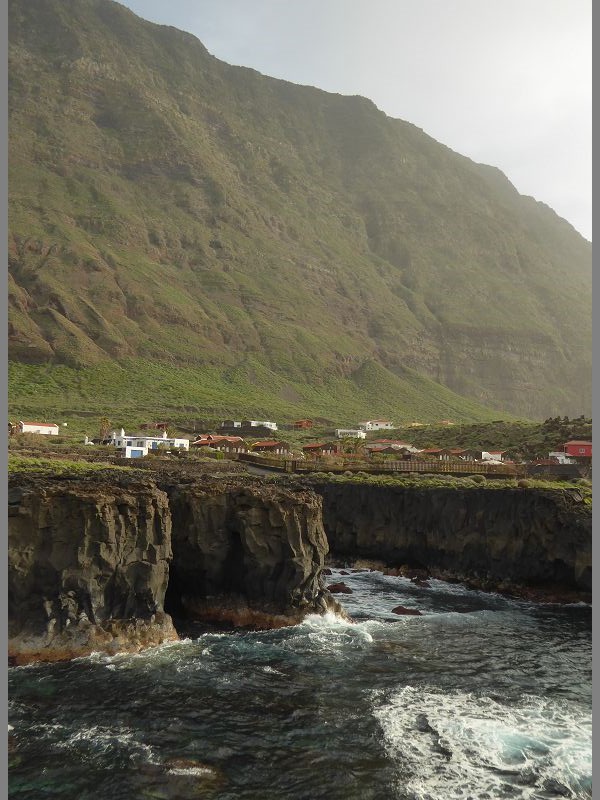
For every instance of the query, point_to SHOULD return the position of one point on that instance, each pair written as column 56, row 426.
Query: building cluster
column 232, row 436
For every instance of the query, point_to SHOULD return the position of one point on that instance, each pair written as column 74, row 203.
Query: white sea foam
column 272, row 670
column 102, row 739
column 479, row 748
column 334, row 624
column 192, row 771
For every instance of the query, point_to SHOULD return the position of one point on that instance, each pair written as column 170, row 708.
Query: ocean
column 480, row 698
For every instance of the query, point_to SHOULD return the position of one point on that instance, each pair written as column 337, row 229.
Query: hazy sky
column 505, row 82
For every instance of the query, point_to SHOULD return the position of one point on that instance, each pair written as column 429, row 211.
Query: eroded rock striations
column 534, row 536
column 247, row 555
column 100, row 563
column 90, row 561
column 88, row 568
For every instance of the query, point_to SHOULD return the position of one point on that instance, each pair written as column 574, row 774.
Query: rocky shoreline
column 556, row 594
column 101, row 563
column 104, row 562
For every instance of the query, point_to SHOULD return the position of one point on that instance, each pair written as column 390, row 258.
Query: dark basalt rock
column 420, row 583
column 87, row 569
column 339, row 588
column 90, row 560
column 413, row 612
column 260, row 543
column 534, row 537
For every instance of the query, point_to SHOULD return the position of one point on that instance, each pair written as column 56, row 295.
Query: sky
column 504, row 82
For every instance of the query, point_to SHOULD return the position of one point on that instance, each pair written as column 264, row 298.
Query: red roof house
column 577, row 448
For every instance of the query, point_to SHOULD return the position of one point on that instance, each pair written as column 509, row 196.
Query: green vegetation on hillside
column 225, row 232
column 527, row 440
column 137, row 391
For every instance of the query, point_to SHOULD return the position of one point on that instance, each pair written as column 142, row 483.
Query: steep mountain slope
column 165, row 205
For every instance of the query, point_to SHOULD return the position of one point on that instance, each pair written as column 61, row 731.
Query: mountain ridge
column 162, row 201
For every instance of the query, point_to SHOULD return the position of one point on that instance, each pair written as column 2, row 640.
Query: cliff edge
column 91, row 561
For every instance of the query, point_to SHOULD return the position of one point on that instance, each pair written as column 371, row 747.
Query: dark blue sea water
column 481, row 698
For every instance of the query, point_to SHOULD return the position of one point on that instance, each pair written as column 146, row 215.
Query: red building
column 578, row 449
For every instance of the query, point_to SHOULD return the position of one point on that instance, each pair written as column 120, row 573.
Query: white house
column 254, row 423
column 493, row 456
column 137, row 446
column 376, row 425
column 46, row 428
column 561, row 457
column 350, row 433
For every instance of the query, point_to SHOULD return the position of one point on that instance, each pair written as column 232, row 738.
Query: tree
column 105, row 424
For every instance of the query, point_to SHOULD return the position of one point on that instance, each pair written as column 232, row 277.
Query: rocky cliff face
column 530, row 536
column 247, row 555
column 90, row 561
column 88, row 568
column 99, row 563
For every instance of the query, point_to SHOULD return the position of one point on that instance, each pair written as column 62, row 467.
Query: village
column 363, row 447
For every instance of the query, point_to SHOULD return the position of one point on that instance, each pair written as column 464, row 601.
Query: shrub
column 478, row 478
column 523, row 483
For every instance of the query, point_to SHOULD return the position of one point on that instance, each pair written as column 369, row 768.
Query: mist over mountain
column 167, row 207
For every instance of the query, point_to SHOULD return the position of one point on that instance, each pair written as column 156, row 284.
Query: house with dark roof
column 272, row 447
column 318, row 449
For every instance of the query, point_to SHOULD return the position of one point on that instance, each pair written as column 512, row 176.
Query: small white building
column 493, row 456
column 255, row 423
column 561, row 457
column 350, row 433
column 376, row 425
column 45, row 428
column 138, row 446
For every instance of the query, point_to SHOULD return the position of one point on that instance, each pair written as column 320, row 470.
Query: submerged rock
column 406, row 611
column 339, row 588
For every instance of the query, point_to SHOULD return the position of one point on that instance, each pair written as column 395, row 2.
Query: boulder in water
column 339, row 588
column 404, row 611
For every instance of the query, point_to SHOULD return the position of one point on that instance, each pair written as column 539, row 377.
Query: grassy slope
column 167, row 207
column 136, row 392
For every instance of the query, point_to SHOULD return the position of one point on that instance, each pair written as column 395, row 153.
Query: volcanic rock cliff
column 100, row 562
column 533, row 536
column 247, row 555
column 89, row 561
column 88, row 568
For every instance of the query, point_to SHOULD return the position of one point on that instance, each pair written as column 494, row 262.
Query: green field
column 138, row 391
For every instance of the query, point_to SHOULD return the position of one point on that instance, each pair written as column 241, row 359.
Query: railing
column 445, row 467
